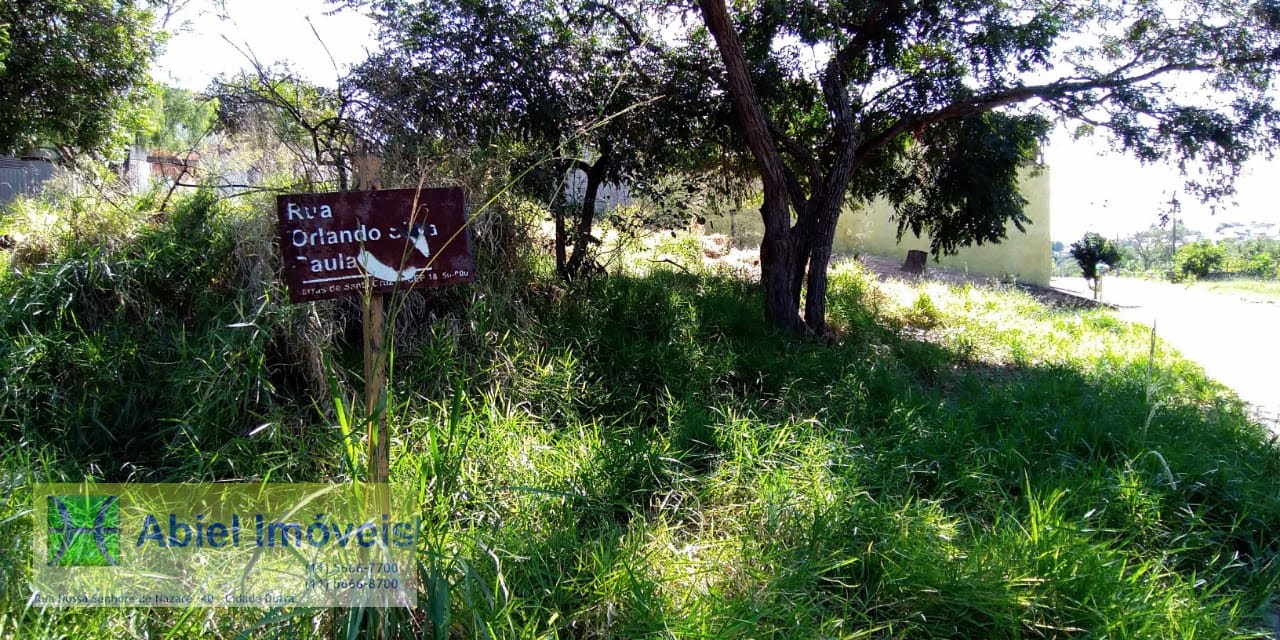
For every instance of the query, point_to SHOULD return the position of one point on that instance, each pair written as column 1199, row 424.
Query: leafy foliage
column 901, row 99
column 72, row 70
column 1152, row 247
column 1243, row 254
column 1198, row 259
column 1255, row 256
column 557, row 84
column 1093, row 250
column 964, row 186
column 4, row 44
column 177, row 118
column 1262, row 265
column 318, row 125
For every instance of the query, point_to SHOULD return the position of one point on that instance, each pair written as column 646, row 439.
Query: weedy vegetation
column 637, row 455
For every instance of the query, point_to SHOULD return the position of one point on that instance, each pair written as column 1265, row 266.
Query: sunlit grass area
column 1261, row 290
column 637, row 456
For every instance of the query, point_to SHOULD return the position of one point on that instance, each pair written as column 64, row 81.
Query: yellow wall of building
column 872, row 230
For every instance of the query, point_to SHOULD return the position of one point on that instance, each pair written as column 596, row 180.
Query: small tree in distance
column 1151, row 247
column 1197, row 260
column 1092, row 252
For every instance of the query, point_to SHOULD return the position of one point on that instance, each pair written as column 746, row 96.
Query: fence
column 20, row 177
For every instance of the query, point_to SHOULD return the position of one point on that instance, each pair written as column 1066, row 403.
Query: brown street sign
column 332, row 243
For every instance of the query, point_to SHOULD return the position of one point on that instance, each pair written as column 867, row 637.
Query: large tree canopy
column 556, row 82
column 938, row 104
column 72, row 66
column 4, row 44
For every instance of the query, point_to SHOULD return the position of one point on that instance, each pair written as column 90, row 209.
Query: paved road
column 1235, row 339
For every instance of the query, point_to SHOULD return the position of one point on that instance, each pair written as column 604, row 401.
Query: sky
column 1095, row 189
column 270, row 30
column 1092, row 188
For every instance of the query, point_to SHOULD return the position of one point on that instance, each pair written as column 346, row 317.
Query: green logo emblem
column 84, row 531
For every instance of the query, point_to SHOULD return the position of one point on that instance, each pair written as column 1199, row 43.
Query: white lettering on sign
column 296, row 212
column 322, row 236
column 340, row 263
column 386, row 240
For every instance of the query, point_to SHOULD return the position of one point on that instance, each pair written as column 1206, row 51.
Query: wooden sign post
column 373, row 243
column 375, row 387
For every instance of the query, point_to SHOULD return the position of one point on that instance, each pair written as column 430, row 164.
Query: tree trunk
column 777, row 260
column 828, row 198
column 826, row 207
column 801, row 243
column 557, row 209
column 815, row 300
column 776, row 264
column 586, row 216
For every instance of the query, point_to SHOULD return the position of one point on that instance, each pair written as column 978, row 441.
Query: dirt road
column 1236, row 340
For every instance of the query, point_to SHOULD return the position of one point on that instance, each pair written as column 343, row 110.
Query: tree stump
column 916, row 260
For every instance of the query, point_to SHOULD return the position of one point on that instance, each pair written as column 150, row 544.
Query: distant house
column 144, row 167
column 1025, row 256
column 873, row 230
column 173, row 167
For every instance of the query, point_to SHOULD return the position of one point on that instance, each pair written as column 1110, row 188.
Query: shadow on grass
column 649, row 459
column 761, row 484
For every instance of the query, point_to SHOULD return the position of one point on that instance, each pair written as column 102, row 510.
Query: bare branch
column 1050, row 91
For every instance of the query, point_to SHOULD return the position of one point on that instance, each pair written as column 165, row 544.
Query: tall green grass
column 639, row 457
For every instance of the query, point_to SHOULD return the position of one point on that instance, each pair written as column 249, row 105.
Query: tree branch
column 882, row 13
column 1049, row 91
column 797, row 151
column 647, row 43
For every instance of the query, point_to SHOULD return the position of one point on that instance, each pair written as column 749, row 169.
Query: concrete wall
column 137, row 171
column 873, row 231
column 608, row 196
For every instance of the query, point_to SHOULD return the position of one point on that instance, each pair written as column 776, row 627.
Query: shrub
column 1197, row 260
column 1261, row 265
column 1093, row 250
column 923, row 313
